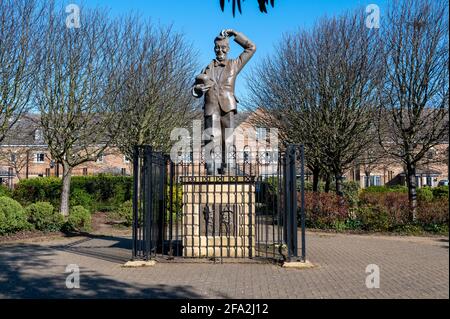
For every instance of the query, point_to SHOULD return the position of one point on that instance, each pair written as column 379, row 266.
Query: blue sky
column 201, row 20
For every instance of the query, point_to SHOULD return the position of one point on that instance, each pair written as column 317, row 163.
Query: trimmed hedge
column 386, row 189
column 95, row 193
column 108, row 191
column 42, row 189
column 12, row 216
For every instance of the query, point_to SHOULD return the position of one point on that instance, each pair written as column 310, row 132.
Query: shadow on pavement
column 25, row 267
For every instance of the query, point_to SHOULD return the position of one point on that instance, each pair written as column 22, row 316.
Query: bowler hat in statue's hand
column 204, row 81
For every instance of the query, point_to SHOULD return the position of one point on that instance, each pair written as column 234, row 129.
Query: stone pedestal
column 218, row 218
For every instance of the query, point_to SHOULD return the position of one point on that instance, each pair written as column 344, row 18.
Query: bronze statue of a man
column 216, row 83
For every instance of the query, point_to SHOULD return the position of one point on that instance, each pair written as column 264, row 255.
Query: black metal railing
column 248, row 211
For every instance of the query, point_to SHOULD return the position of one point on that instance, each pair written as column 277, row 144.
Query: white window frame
column 38, row 135
column 36, row 158
column 374, row 180
column 100, row 159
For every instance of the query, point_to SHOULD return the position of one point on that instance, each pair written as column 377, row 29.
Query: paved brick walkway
column 410, row 267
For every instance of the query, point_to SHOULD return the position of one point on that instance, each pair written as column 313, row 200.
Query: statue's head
column 221, row 47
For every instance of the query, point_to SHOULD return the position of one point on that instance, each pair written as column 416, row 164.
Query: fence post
column 135, row 200
column 148, row 193
column 292, row 190
column 171, row 177
column 302, row 208
column 287, row 203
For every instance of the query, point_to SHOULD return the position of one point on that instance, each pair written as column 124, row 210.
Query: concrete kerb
column 298, row 264
column 139, row 263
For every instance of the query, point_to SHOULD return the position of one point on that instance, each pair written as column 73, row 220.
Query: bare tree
column 16, row 158
column 373, row 157
column 18, row 34
column 156, row 98
column 279, row 88
column 414, row 111
column 321, row 88
column 76, row 87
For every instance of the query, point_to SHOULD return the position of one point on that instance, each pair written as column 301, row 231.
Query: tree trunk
column 67, row 175
column 327, row 183
column 367, row 182
column 315, row 186
column 338, row 178
column 412, row 192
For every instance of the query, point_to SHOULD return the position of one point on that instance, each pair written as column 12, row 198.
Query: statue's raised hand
column 228, row 33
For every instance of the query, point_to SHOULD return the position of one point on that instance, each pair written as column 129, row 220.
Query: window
column 40, row 157
column 85, row 171
column 38, row 135
column 429, row 181
column 13, row 158
column 260, row 134
column 124, row 171
column 374, row 180
column 126, row 160
column 47, row 172
column 100, row 158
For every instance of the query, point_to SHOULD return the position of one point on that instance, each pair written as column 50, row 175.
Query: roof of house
column 425, row 172
column 23, row 132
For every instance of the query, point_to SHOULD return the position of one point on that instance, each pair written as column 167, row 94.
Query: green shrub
column 373, row 218
column 125, row 213
column 386, row 189
column 323, row 210
column 353, row 224
column 396, row 204
column 79, row 197
column 409, row 229
column 43, row 216
column 177, row 202
column 441, row 229
column 12, row 216
column 440, row 192
column 79, row 219
column 41, row 189
column 435, row 212
column 106, row 192
column 424, row 194
column 398, row 188
column 309, row 186
column 5, row 191
column 350, row 189
column 340, row 225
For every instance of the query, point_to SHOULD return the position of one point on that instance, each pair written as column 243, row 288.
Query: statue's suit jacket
column 221, row 95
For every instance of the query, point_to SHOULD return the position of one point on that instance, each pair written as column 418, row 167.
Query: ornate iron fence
column 248, row 211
